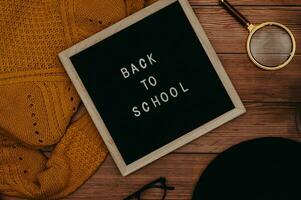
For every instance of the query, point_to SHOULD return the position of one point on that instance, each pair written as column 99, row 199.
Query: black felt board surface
column 176, row 59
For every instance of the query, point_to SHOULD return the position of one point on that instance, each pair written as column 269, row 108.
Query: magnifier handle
column 235, row 13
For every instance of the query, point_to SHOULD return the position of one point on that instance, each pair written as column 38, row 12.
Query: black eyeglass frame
column 153, row 184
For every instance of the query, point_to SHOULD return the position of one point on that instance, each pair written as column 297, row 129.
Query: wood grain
column 256, row 85
column 261, row 120
column 270, row 98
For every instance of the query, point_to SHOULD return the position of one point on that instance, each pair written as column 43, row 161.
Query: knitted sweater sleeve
column 28, row 173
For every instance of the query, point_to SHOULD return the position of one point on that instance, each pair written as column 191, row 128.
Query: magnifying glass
column 270, row 45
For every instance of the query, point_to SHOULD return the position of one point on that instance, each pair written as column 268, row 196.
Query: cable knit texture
column 37, row 99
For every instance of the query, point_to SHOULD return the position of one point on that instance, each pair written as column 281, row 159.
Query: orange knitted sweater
column 37, row 100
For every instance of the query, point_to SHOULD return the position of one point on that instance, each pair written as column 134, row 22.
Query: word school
column 150, row 82
column 157, row 101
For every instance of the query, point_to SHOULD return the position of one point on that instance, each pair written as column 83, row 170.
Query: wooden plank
column 228, row 36
column 182, row 171
column 249, row 2
column 261, row 120
column 256, row 85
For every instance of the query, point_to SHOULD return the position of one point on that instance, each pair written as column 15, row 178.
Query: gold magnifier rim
column 253, row 28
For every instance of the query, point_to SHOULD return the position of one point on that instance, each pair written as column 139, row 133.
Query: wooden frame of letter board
column 95, row 115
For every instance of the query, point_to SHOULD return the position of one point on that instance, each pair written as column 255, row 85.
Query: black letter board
column 151, row 83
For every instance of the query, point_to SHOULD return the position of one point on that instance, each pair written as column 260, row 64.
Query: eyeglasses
column 160, row 183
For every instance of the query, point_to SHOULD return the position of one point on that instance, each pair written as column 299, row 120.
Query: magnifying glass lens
column 271, row 45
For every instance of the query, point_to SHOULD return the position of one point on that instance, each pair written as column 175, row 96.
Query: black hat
column 260, row 169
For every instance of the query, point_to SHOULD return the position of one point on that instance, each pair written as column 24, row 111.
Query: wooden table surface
column 270, row 97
